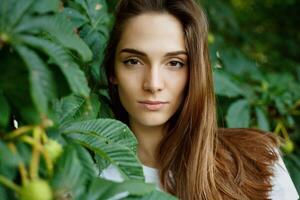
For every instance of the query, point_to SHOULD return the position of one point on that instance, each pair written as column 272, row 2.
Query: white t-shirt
column 283, row 187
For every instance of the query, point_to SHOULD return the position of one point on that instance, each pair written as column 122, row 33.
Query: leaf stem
column 35, row 159
column 49, row 163
column 17, row 132
column 31, row 141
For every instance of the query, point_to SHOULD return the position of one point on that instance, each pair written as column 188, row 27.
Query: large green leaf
column 225, row 86
column 75, row 77
column 18, row 11
column 41, row 80
column 104, row 189
column 238, row 114
column 45, row 6
column 5, row 111
column 118, row 155
column 112, row 130
column 95, row 28
column 59, row 28
column 111, row 140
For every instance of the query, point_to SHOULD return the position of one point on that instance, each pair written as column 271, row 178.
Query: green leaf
column 96, row 41
column 4, row 8
column 262, row 119
column 96, row 10
column 5, row 110
column 77, row 19
column 67, row 107
column 69, row 177
column 238, row 114
column 8, row 167
column 6, row 153
column 90, row 108
column 105, row 110
column 120, row 156
column 61, row 29
column 41, row 80
column 224, row 86
column 45, row 6
column 29, row 114
column 75, row 77
column 101, row 163
column 110, row 139
column 280, row 106
column 19, row 10
column 105, row 189
column 3, row 195
column 75, row 108
column 87, row 162
column 25, row 152
column 113, row 130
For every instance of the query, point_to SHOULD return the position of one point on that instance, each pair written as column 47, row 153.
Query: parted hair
column 198, row 160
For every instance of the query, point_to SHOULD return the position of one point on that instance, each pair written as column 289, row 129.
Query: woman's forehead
column 153, row 32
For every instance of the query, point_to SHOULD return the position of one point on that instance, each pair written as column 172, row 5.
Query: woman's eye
column 176, row 64
column 131, row 62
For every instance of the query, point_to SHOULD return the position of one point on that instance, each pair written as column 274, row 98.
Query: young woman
column 161, row 85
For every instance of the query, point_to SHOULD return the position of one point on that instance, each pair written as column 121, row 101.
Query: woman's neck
column 149, row 139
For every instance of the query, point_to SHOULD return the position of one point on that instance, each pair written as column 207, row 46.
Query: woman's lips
column 153, row 105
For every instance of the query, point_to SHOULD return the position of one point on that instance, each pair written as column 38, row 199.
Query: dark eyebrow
column 134, row 51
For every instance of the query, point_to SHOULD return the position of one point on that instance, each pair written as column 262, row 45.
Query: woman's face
column 151, row 68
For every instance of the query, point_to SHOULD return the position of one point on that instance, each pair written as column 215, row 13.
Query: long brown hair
column 196, row 159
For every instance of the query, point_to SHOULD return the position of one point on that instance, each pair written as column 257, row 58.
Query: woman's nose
column 153, row 80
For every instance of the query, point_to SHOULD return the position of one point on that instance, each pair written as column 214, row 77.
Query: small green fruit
column 288, row 146
column 54, row 149
column 36, row 190
column 4, row 37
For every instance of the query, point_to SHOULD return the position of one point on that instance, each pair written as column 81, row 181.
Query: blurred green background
column 255, row 51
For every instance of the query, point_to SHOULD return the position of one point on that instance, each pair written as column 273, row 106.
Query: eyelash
column 126, row 62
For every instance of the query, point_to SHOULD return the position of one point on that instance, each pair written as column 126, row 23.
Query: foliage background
column 255, row 54
column 49, row 74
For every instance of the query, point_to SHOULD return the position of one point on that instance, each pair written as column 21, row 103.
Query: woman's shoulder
column 283, row 187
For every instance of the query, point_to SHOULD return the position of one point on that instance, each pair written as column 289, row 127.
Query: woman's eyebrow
column 134, row 51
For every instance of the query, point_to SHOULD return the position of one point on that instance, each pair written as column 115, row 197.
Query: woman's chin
column 152, row 121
